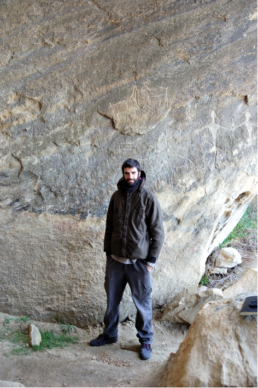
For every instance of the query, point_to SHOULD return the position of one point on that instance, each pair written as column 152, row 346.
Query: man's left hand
column 149, row 268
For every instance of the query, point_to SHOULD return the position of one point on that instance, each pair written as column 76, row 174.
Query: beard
column 132, row 182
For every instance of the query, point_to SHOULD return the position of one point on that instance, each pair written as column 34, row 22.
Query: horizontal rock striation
column 87, row 84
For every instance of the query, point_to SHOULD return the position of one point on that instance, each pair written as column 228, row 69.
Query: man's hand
column 149, row 268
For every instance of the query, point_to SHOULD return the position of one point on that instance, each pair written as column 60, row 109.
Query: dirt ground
column 79, row 365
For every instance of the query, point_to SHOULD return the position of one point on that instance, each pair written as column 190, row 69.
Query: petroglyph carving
column 21, row 110
column 214, row 127
column 141, row 112
column 248, row 126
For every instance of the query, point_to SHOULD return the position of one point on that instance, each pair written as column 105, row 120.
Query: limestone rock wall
column 87, row 84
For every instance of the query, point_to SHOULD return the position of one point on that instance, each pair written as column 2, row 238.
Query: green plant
column 52, row 340
column 7, row 321
column 18, row 337
column 247, row 222
column 23, row 318
column 67, row 328
column 21, row 351
column 49, row 339
column 204, row 280
column 60, row 320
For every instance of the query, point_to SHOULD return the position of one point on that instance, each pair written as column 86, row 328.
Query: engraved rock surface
column 219, row 350
column 84, row 86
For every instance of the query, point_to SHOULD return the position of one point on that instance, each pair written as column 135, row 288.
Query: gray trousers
column 139, row 280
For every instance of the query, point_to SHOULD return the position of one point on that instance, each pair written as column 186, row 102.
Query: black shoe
column 145, row 351
column 102, row 340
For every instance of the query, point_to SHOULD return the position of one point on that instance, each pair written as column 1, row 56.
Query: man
column 133, row 240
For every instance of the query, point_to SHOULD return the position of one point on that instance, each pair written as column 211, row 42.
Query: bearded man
column 133, row 239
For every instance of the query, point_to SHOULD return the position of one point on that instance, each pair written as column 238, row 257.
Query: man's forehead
column 130, row 169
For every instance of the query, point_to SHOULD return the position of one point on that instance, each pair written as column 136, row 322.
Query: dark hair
column 131, row 163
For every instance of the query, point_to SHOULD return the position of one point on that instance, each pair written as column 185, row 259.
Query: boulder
column 34, row 335
column 219, row 350
column 86, row 85
column 185, row 310
column 228, row 258
column 247, row 283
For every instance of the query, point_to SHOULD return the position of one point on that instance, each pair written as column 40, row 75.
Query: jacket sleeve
column 155, row 229
column 109, row 227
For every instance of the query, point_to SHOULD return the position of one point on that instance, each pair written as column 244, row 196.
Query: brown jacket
column 134, row 227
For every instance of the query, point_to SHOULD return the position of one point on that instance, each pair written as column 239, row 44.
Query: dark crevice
column 107, row 117
column 21, row 165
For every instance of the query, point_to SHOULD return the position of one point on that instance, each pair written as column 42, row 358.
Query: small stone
column 202, row 288
column 34, row 335
column 218, row 271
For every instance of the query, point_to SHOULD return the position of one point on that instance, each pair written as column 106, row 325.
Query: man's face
column 131, row 175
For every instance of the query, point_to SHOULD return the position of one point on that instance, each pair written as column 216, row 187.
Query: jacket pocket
column 118, row 215
column 117, row 223
column 140, row 219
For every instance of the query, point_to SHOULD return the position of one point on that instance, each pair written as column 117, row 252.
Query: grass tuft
column 204, row 280
column 243, row 229
column 20, row 337
column 52, row 340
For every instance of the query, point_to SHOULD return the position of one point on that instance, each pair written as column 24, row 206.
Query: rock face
column 219, row 350
column 185, row 310
column 87, row 84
